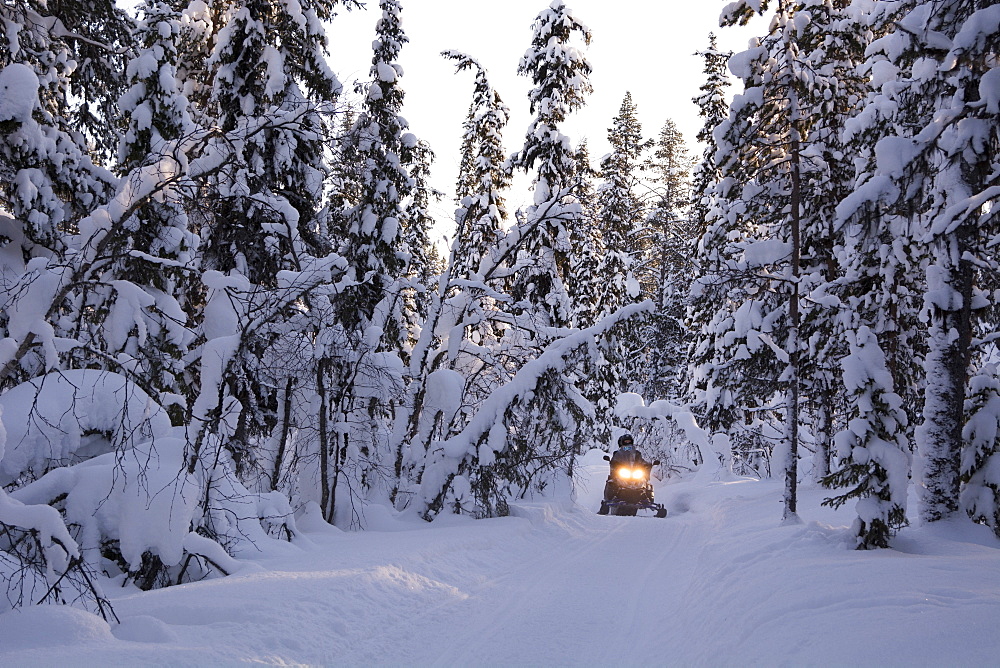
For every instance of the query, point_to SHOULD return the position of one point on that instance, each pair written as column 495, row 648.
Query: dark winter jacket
column 630, row 457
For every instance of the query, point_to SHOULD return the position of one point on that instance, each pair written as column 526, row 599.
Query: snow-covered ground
column 718, row 582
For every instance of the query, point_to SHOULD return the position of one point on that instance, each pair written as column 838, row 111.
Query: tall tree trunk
column 324, row 442
column 792, row 395
column 948, row 359
column 286, row 423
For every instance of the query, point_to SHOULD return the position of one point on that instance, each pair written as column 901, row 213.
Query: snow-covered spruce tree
column 383, row 147
column 550, row 430
column 981, row 456
column 483, row 175
column 48, row 179
column 746, row 298
column 67, row 409
column 730, row 371
column 98, row 37
column 531, row 436
column 931, row 169
column 620, row 214
column 621, row 209
column 667, row 267
column 604, row 250
column 873, row 451
column 417, row 238
column 770, row 153
column 560, row 74
column 136, row 306
column 880, row 253
column 262, row 232
column 713, row 108
column 458, row 342
column 604, row 374
column 832, row 44
column 589, row 286
column 465, row 185
column 365, row 378
column 481, row 218
column 270, row 76
column 483, row 211
column 963, row 233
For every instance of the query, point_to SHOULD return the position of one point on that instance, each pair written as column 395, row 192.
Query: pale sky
column 643, row 46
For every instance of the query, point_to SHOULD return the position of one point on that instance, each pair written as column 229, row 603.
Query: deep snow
column 718, row 582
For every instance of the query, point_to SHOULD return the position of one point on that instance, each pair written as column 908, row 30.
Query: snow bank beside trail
column 141, row 498
column 801, row 595
column 68, row 416
column 44, row 627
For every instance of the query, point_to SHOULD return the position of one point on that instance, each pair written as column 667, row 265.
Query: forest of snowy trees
column 222, row 310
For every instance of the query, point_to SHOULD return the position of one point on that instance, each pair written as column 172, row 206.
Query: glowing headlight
column 638, row 474
column 624, row 473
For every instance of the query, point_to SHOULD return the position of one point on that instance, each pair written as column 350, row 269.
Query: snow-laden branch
column 631, row 405
column 486, row 432
column 49, row 281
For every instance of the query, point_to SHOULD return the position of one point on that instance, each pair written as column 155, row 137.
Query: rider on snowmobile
column 626, row 454
column 628, row 488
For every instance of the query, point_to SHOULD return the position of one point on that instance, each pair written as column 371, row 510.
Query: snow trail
column 718, row 582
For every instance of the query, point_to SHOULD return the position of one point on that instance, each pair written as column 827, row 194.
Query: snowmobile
column 628, row 489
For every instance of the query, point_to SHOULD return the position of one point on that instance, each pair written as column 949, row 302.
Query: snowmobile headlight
column 624, row 473
column 638, row 474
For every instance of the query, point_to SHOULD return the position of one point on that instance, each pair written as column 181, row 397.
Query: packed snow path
column 719, row 582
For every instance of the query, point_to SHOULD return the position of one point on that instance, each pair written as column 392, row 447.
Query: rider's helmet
column 626, row 443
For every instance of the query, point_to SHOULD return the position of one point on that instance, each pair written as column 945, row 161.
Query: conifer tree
column 98, row 36
column 615, row 247
column 265, row 83
column 383, row 148
column 765, row 221
column 832, row 43
column 621, row 207
column 560, row 75
column 550, row 429
column 602, row 376
column 373, row 335
column 963, row 230
column 156, row 250
column 713, row 108
column 873, row 452
column 270, row 78
column 417, row 235
column 667, row 267
column 465, row 184
column 459, row 336
column 483, row 175
column 588, row 292
column 759, row 201
column 928, row 178
column 48, row 178
column 981, row 435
